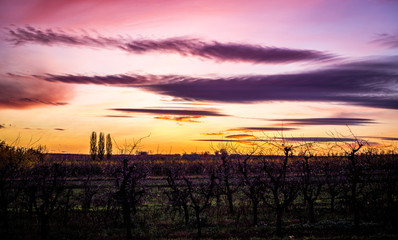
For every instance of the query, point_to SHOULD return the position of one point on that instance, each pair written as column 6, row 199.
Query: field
column 224, row 196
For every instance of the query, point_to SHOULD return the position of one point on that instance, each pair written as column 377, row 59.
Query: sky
column 188, row 75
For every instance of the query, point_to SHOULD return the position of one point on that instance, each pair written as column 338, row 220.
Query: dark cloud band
column 233, row 52
column 289, row 139
column 325, row 121
column 121, row 79
column 183, row 112
column 262, row 129
column 372, row 83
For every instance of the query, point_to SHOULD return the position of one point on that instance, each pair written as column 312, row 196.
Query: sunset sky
column 189, row 73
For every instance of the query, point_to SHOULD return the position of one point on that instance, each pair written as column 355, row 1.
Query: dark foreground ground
column 214, row 197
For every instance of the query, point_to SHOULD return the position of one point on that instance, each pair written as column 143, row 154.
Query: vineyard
column 294, row 194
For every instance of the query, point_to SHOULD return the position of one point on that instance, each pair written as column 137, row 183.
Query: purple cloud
column 161, row 111
column 233, row 52
column 59, row 129
column 30, row 34
column 326, row 121
column 382, row 138
column 100, row 80
column 370, row 84
column 262, row 129
column 21, row 92
column 389, row 138
column 278, row 139
column 388, row 40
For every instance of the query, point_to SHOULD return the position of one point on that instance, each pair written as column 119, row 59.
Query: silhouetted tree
column 311, row 184
column 281, row 188
column 88, row 188
column 101, row 146
column 93, row 145
column 332, row 168
column 130, row 192
column 45, row 187
column 390, row 188
column 178, row 193
column 200, row 195
column 11, row 168
column 253, row 185
column 354, row 177
column 108, row 146
column 228, row 184
column 354, row 174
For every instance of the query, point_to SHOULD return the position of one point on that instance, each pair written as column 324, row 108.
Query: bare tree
column 311, row 183
column 101, row 146
column 45, row 187
column 129, row 179
column 354, row 174
column 332, row 168
column 89, row 189
column 93, row 145
column 11, row 170
column 178, row 193
column 129, row 148
column 253, row 185
column 130, row 192
column 200, row 194
column 228, row 184
column 281, row 189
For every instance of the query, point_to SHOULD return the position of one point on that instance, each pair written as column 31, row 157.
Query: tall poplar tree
column 101, row 146
column 93, row 145
column 108, row 146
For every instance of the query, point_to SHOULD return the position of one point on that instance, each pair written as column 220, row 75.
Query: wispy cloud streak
column 121, row 79
column 177, row 115
column 318, row 139
column 239, row 136
column 262, row 129
column 232, row 52
column 278, row 139
column 389, row 138
column 388, row 40
column 184, row 112
column 325, row 121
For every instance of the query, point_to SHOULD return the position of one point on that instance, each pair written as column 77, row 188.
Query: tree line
column 102, row 147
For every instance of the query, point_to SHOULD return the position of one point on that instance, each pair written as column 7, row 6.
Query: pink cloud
column 22, row 92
